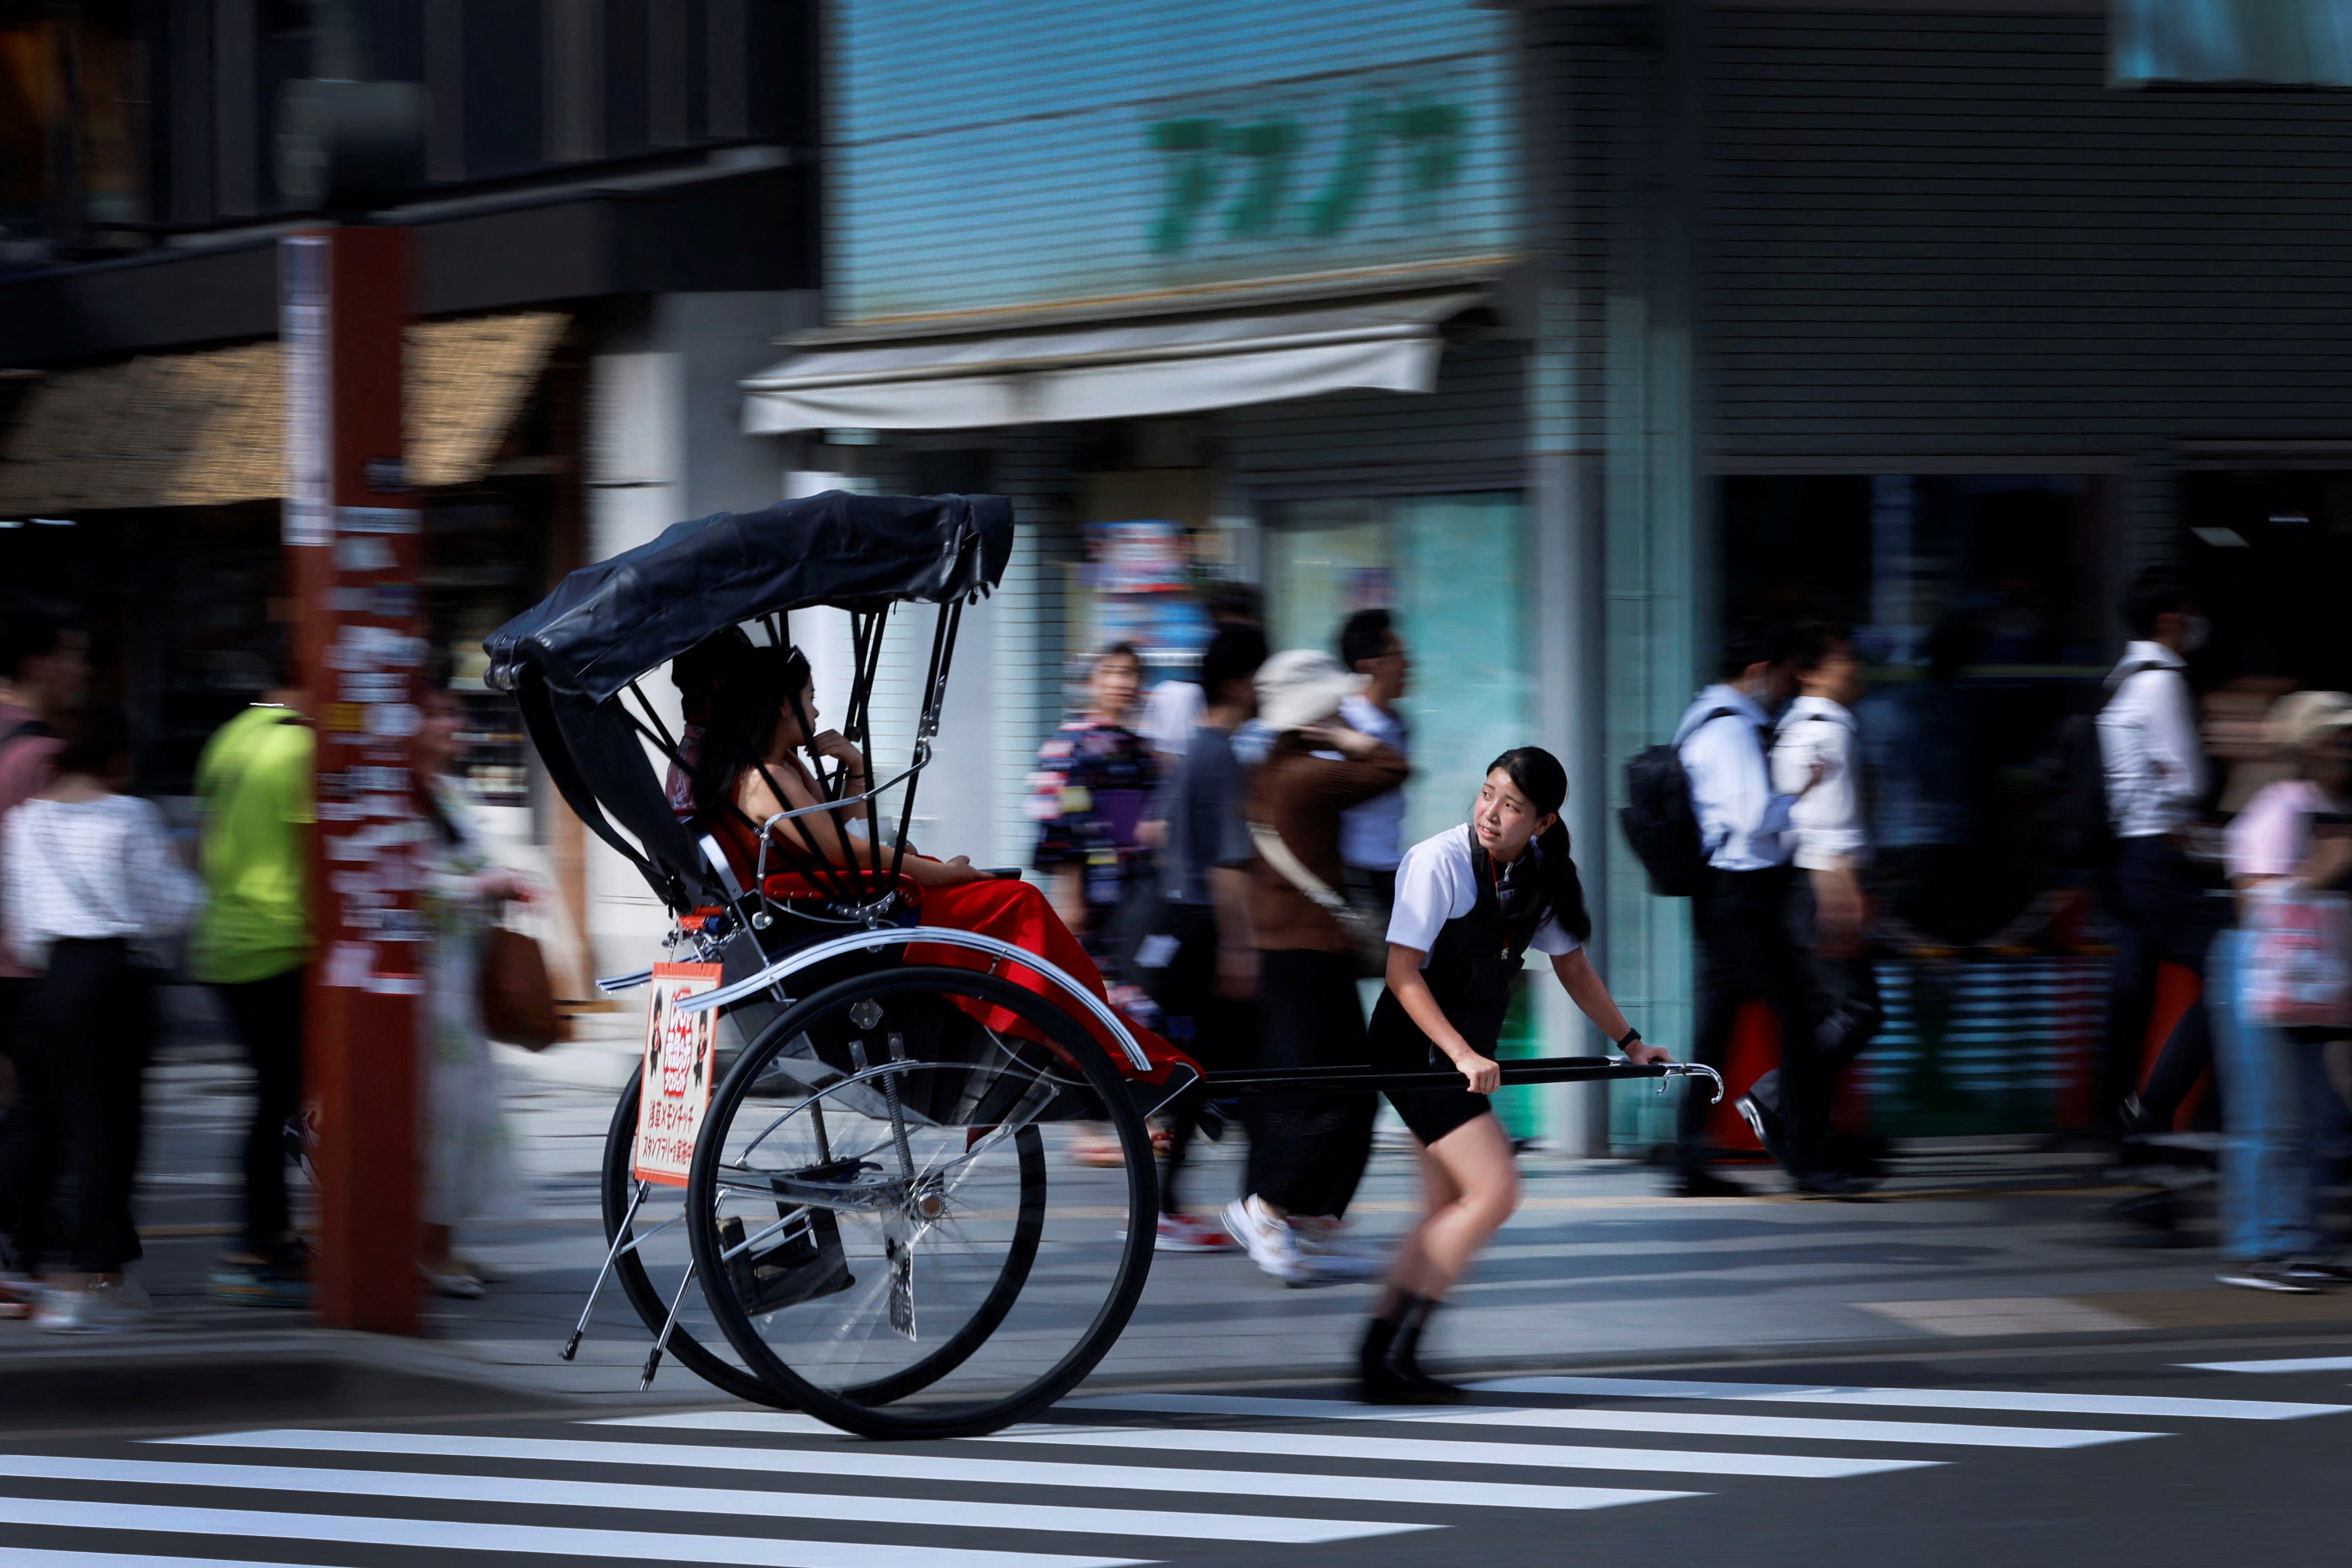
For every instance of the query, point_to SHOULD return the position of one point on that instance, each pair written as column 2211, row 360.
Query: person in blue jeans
column 2278, row 1108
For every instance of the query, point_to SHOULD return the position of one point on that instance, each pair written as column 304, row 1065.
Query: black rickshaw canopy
column 569, row 658
column 608, row 624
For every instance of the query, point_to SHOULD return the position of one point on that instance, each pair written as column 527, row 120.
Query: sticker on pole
column 681, row 1059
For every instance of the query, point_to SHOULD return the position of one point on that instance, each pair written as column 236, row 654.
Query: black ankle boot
column 1377, row 1381
column 1405, row 1363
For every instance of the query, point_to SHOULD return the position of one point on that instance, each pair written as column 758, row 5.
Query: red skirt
column 1018, row 913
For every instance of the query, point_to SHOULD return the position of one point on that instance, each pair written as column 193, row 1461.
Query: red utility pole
column 355, row 544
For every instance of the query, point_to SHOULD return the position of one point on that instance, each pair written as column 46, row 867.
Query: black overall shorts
column 1473, row 970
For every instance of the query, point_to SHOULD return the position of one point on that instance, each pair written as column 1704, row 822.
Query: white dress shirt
column 1742, row 824
column 2148, row 742
column 1372, row 834
column 1827, row 821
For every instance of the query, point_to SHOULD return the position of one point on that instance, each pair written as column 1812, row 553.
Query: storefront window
column 1980, row 607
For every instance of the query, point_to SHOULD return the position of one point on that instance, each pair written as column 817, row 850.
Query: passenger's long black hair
column 1540, row 777
column 740, row 726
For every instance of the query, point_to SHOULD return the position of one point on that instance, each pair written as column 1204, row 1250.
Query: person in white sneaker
column 92, row 888
column 1308, row 1148
column 1472, row 902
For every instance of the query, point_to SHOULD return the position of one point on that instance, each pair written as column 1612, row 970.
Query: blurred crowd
column 99, row 904
column 1229, row 847
column 1816, row 828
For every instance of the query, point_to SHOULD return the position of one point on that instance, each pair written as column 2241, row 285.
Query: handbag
column 2299, row 965
column 1363, row 928
column 518, row 1000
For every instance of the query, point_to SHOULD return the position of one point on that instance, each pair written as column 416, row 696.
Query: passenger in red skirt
column 747, row 768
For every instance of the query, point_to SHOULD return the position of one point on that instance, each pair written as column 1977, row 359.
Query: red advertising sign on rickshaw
column 681, row 1060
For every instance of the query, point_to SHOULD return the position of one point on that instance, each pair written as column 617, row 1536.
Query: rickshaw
column 869, row 1221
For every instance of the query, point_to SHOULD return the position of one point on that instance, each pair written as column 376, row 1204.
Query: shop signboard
column 681, row 1059
column 1192, row 147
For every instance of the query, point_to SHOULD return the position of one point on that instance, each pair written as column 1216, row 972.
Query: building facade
column 612, row 209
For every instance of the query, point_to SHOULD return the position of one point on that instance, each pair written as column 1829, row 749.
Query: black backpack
column 1659, row 821
column 2081, row 831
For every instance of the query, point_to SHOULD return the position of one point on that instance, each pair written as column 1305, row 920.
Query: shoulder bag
column 1363, row 927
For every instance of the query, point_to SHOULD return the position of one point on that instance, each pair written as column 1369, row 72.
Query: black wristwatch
column 1632, row 1037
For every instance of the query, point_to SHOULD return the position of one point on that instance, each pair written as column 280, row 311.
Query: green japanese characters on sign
column 1228, row 178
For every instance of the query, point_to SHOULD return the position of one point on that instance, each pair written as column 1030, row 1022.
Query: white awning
column 1125, row 371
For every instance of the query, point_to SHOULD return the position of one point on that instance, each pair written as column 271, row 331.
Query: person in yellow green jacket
column 252, row 946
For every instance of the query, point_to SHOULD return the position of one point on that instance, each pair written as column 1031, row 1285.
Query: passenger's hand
column 1486, row 1075
column 835, row 745
column 1640, row 1053
column 960, row 869
column 1236, row 972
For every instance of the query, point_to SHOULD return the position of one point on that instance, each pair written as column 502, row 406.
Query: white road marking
column 2131, row 1405
column 1699, row 1423
column 832, row 1507
column 47, row 1557
column 1255, row 1484
column 467, row 1535
column 2295, row 1363
column 1415, row 1450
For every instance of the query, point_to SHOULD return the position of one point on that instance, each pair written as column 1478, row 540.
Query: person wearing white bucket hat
column 1307, row 1151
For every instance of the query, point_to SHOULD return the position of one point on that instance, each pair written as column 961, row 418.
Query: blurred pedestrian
column 1740, row 909
column 1814, row 759
column 43, row 667
column 1471, row 903
column 468, row 1163
column 2153, row 759
column 1172, row 710
column 2294, row 839
column 1307, row 1150
column 1205, row 979
column 252, row 946
column 1372, row 835
column 1090, row 795
column 94, row 894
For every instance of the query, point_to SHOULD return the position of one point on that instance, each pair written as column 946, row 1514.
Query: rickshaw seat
column 794, row 887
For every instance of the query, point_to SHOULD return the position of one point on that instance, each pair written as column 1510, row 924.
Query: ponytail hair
column 1539, row 776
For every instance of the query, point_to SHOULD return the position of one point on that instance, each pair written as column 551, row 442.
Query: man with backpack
column 1707, row 822
column 44, row 669
column 2152, row 770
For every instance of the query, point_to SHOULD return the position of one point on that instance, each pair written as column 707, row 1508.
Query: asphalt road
column 2110, row 1455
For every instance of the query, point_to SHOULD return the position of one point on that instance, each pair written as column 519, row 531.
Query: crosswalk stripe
column 743, row 1551
column 802, row 1506
column 45, row 1557
column 2132, row 1405
column 1329, row 1447
column 2292, row 1363
column 930, row 1467
column 1414, row 1450
column 1687, row 1423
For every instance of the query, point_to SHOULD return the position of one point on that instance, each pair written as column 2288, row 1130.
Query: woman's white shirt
column 1436, row 882
column 92, row 870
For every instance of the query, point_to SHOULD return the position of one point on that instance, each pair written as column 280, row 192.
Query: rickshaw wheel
column 893, row 1264
column 637, row 1283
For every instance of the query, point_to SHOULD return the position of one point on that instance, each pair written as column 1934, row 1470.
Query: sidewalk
column 1973, row 1243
